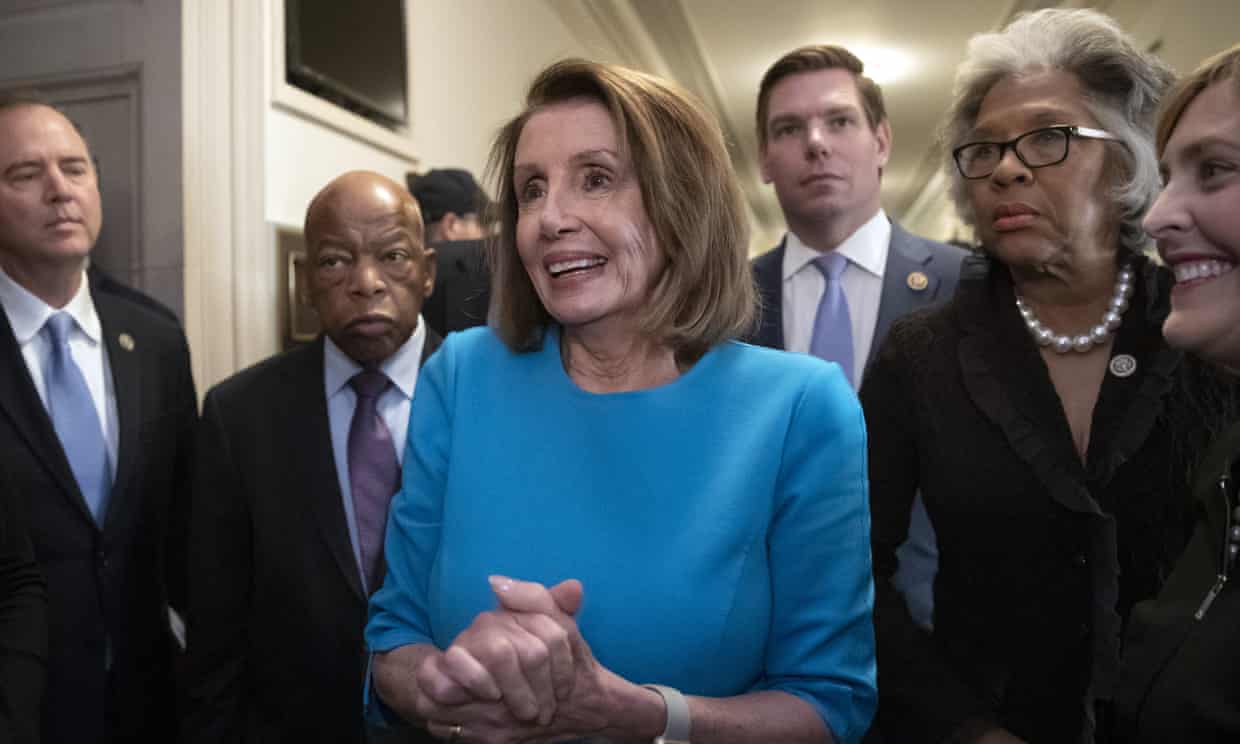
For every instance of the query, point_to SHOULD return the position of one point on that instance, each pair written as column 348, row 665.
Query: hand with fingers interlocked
column 519, row 673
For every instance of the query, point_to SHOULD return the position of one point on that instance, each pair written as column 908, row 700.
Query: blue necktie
column 832, row 339
column 75, row 418
column 374, row 472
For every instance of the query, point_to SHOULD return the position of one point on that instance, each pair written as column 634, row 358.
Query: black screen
column 352, row 54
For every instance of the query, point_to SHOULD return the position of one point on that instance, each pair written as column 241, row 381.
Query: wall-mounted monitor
column 352, row 54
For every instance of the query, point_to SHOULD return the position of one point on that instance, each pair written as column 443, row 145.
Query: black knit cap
column 444, row 190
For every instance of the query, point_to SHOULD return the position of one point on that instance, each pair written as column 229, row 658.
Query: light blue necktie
column 832, row 339
column 75, row 418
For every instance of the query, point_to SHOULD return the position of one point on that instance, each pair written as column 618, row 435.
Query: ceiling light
column 884, row 65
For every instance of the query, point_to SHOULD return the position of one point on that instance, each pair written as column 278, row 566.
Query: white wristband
column 677, row 729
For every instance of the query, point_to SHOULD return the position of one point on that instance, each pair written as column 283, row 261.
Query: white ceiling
column 719, row 49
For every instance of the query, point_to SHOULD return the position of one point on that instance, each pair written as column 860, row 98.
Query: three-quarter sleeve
column 921, row 697
column 399, row 613
column 821, row 643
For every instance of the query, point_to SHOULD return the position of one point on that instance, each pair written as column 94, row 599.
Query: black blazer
column 1041, row 556
column 23, row 626
column 907, row 253
column 109, row 588
column 462, row 287
column 276, row 603
column 1180, row 678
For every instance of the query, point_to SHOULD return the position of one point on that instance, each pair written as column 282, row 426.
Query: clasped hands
column 519, row 673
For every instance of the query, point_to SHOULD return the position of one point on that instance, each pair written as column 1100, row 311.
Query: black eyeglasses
column 1036, row 149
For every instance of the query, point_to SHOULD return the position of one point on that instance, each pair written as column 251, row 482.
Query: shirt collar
column 866, row 248
column 401, row 368
column 28, row 313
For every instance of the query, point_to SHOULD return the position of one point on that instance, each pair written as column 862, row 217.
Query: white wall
column 302, row 156
column 471, row 61
column 255, row 155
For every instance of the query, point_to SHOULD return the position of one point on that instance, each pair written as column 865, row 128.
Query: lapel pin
column 1123, row 365
column 126, row 341
column 917, row 281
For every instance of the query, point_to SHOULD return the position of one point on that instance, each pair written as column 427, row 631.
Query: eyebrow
column 520, row 170
column 1195, row 149
column 1043, row 118
column 23, row 164
column 834, row 110
column 331, row 241
column 594, row 155
column 67, row 160
column 396, row 235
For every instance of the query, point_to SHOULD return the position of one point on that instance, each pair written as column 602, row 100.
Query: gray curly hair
column 1123, row 86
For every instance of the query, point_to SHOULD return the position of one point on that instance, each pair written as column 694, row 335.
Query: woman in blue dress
column 617, row 522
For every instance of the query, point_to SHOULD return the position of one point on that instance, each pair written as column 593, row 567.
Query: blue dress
column 719, row 523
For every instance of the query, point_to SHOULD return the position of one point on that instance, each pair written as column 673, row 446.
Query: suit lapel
column 313, row 451
column 20, row 403
column 906, row 257
column 124, row 361
column 768, row 276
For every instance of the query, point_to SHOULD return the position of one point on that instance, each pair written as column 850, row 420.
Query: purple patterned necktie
column 374, row 473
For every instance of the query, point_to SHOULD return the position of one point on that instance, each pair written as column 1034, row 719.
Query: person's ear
column 303, row 275
column 449, row 226
column 763, row 170
column 882, row 134
column 430, row 268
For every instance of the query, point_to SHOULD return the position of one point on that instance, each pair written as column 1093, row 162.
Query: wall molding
column 227, row 303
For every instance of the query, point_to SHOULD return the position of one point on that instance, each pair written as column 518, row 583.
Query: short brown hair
column 705, row 294
column 1223, row 66
column 820, row 57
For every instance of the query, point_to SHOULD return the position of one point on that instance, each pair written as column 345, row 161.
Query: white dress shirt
column 27, row 315
column 393, row 405
column 862, row 282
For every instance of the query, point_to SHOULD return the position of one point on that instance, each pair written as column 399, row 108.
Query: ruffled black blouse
column 1042, row 556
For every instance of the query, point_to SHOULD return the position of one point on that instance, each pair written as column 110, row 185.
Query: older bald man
column 298, row 458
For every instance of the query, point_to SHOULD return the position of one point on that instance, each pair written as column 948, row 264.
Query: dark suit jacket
column 23, row 626
column 462, row 287
column 907, row 253
column 1042, row 555
column 109, row 587
column 1180, row 677
column 104, row 282
column 276, row 604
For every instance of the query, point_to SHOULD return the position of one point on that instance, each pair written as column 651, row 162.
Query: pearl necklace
column 1111, row 320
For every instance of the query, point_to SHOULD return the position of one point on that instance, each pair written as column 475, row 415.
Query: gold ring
column 454, row 733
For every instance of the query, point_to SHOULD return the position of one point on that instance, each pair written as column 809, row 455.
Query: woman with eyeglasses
column 1181, row 675
column 1040, row 413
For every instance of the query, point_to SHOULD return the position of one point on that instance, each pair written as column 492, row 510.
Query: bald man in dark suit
column 298, row 457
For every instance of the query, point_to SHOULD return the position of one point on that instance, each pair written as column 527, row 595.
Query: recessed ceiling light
column 884, row 65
